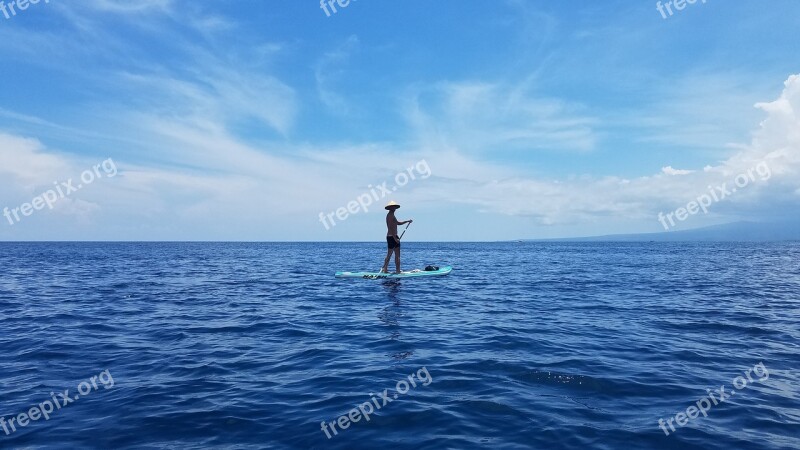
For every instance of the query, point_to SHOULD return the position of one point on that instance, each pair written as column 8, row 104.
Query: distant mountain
column 737, row 231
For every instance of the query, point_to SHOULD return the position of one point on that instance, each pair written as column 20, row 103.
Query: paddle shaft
column 404, row 230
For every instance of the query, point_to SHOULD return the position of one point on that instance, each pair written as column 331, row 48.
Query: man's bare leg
column 397, row 259
column 386, row 261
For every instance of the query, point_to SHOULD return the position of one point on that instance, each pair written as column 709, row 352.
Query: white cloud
column 570, row 201
column 697, row 111
column 210, row 176
column 212, row 94
column 485, row 117
column 127, row 6
column 329, row 71
column 669, row 170
column 28, row 163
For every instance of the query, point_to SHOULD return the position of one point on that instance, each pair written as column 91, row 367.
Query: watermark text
column 715, row 194
column 665, row 8
column 10, row 10
column 62, row 400
column 703, row 405
column 61, row 190
column 375, row 193
column 366, row 409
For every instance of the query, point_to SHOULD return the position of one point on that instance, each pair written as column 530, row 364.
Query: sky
column 486, row 120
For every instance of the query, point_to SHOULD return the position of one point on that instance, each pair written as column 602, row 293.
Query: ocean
column 524, row 345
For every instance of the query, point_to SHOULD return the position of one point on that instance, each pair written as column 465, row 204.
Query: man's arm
column 405, row 222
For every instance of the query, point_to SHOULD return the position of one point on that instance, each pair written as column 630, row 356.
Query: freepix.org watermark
column 703, row 405
column 46, row 408
column 715, row 194
column 363, row 201
column 62, row 189
column 10, row 10
column 366, row 409
column 679, row 5
column 325, row 4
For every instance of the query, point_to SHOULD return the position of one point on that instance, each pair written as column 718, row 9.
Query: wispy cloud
column 491, row 117
column 329, row 70
column 128, row 7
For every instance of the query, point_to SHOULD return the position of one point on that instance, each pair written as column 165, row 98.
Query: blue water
column 524, row 345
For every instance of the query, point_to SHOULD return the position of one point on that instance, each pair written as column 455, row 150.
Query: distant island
column 729, row 232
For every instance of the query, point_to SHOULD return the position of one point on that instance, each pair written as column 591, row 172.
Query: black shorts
column 391, row 243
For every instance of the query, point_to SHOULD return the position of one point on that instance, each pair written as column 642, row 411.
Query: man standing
column 392, row 239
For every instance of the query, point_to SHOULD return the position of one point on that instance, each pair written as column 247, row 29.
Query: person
column 392, row 239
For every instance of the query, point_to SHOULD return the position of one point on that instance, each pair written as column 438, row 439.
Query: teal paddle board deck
column 412, row 274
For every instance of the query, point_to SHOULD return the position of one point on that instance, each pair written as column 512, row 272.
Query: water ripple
column 529, row 345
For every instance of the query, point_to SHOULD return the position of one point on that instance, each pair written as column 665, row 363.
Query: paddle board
column 411, row 274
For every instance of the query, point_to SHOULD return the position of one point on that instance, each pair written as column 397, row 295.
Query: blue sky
column 244, row 120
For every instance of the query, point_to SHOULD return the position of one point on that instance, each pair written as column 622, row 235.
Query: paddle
column 404, row 230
